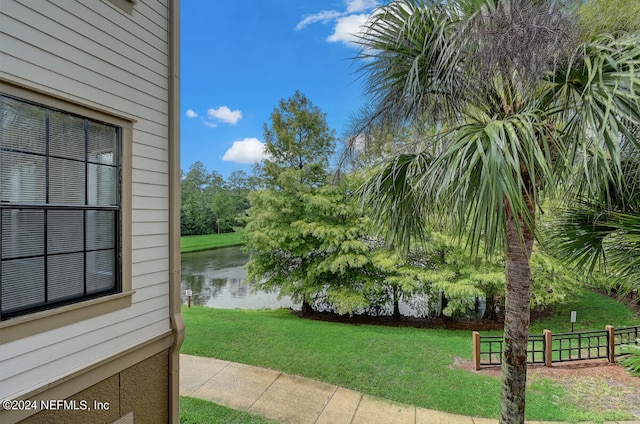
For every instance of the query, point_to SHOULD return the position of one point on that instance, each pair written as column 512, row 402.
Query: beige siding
column 150, row 279
column 141, row 189
column 96, row 55
column 149, row 254
column 147, row 228
column 144, row 148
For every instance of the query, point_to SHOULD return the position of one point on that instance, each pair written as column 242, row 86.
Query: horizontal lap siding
column 99, row 56
column 148, row 150
column 150, row 228
column 81, row 335
column 140, row 256
column 153, row 190
column 151, row 279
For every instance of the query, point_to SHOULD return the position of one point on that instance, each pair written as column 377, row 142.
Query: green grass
column 593, row 312
column 197, row 411
column 209, row 241
column 413, row 366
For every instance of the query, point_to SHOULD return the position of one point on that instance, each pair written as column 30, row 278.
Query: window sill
column 40, row 322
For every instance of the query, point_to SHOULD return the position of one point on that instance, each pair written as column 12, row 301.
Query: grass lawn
column 413, row 366
column 593, row 312
column 197, row 411
column 209, row 241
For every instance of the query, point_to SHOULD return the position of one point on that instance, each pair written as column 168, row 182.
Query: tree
column 519, row 103
column 298, row 144
column 195, row 213
column 312, row 243
column 298, row 138
column 209, row 204
column 602, row 232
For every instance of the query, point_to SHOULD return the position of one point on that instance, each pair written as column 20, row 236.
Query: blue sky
column 240, row 57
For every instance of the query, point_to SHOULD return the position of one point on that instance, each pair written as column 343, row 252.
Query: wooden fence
column 548, row 348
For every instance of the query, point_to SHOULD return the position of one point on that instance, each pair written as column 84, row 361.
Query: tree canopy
column 209, row 203
column 297, row 138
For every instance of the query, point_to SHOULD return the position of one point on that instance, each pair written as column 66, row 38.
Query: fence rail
column 562, row 347
column 625, row 336
column 580, row 346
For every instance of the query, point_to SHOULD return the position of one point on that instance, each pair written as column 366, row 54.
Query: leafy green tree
column 239, row 185
column 519, row 104
column 307, row 238
column 298, row 144
column 211, row 205
column 312, row 243
column 298, row 138
column 196, row 216
column 460, row 278
column 196, row 179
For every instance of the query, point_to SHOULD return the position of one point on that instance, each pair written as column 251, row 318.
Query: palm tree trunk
column 516, row 320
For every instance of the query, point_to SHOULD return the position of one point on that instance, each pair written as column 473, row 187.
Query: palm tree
column 520, row 104
column 603, row 233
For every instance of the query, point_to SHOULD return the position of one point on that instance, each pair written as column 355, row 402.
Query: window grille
column 60, row 207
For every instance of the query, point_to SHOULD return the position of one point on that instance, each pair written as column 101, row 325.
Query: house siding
column 97, row 56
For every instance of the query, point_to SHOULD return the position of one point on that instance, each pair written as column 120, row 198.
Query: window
column 60, row 207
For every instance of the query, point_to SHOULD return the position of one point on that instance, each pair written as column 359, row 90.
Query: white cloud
column 248, row 151
column 224, row 114
column 348, row 23
column 325, row 16
column 191, row 114
column 347, row 28
column 209, row 124
column 355, row 6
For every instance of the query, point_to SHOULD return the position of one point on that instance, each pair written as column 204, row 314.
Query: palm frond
column 578, row 234
column 394, row 197
column 492, row 166
column 631, row 358
column 409, row 60
column 596, row 99
column 588, row 236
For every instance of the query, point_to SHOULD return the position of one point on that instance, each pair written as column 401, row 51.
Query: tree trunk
column 396, row 304
column 516, row 320
column 490, row 308
column 306, row 309
column 444, row 302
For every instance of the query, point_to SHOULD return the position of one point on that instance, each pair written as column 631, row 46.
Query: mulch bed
column 444, row 323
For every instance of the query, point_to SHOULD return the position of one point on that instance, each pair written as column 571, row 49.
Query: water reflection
column 217, row 280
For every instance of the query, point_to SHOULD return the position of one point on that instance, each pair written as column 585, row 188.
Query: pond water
column 217, row 279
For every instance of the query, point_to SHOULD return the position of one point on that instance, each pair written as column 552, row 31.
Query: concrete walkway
column 297, row 400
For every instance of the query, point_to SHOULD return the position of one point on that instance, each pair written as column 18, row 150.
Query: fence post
column 611, row 343
column 548, row 348
column 476, row 350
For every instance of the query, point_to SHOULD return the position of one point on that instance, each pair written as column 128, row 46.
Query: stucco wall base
column 142, row 389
